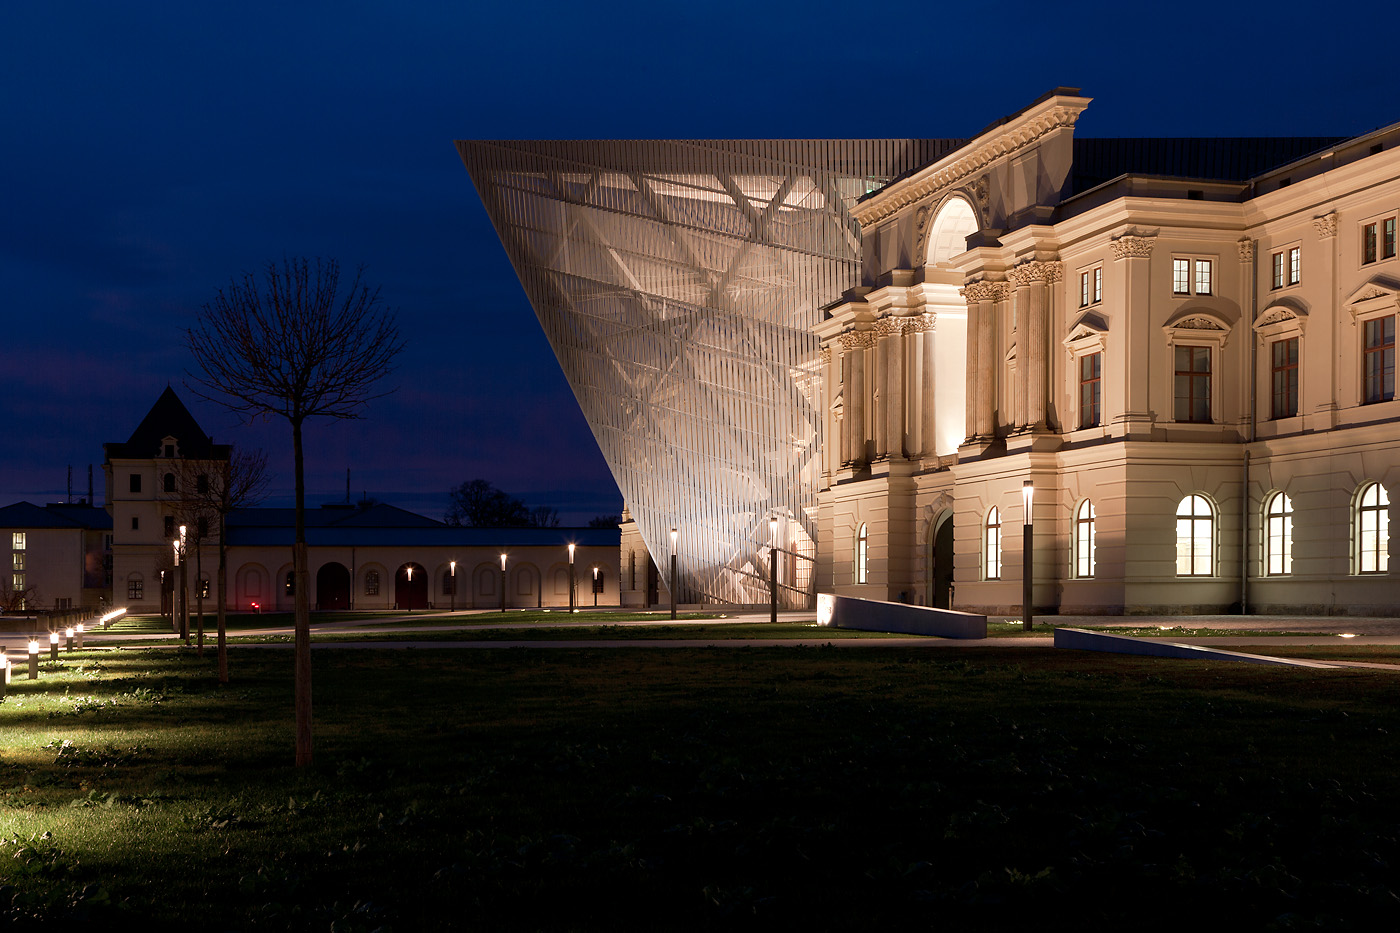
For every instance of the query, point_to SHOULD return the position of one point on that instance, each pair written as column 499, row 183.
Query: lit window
column 1373, row 530
column 1285, row 373
column 1278, row 535
column 18, row 540
column 1084, row 540
column 1091, row 286
column 202, row 591
column 17, row 580
column 1192, row 384
column 1378, row 240
column 862, row 554
column 1195, row 537
column 1192, row 276
column 371, row 582
column 1378, row 359
column 1288, row 267
column 991, row 540
column 19, row 560
column 1090, row 382
column 1181, row 276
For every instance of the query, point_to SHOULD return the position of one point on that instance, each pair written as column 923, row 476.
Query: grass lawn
column 700, row 789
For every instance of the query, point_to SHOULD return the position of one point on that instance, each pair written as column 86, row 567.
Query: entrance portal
column 333, row 587
column 941, row 573
column 411, row 587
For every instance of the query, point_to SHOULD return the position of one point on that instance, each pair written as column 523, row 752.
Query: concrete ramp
column 873, row 615
column 1083, row 640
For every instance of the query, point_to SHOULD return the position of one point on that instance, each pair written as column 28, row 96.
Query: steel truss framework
column 678, row 282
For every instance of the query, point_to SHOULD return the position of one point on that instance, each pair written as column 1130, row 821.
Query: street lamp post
column 595, row 587
column 1027, row 553
column 453, row 565
column 674, row 582
column 184, row 591
column 773, row 570
column 503, row 583
column 571, row 579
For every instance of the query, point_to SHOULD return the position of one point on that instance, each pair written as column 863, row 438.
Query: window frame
column 1186, row 271
column 1286, row 267
column 1083, row 561
column 1193, row 520
column 1091, row 285
column 1378, row 238
column 135, row 586
column 991, row 545
column 1193, row 377
column 862, row 562
column 371, row 582
column 1289, row 372
column 1197, row 329
column 1278, row 535
column 1372, row 501
column 1373, row 383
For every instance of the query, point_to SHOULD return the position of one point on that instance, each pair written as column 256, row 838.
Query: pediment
column 1282, row 313
column 1379, row 292
column 1088, row 325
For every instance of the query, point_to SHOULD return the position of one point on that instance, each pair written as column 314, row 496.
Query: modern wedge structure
column 679, row 282
column 1091, row 375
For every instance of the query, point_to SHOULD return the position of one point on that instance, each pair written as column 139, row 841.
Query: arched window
column 991, row 546
column 1372, row 530
column 1195, row 537
column 1084, row 539
column 170, row 482
column 1278, row 535
column 955, row 222
column 862, row 554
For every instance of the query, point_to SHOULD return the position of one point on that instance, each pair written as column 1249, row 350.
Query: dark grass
column 702, row 789
column 636, row 632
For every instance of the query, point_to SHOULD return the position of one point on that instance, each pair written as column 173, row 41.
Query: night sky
column 154, row 150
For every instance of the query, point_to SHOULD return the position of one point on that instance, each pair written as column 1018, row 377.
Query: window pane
column 1388, row 238
column 1098, row 284
column 1181, row 276
column 1295, row 266
column 1368, row 243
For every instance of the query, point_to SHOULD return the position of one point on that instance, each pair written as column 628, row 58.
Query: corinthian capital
column 1326, row 225
column 1246, row 248
column 1132, row 245
column 857, row 340
column 1035, row 270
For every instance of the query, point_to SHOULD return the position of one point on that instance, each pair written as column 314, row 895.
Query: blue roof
column 58, row 515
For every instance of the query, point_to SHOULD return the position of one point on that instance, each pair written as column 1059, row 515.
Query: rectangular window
column 135, row 589
column 1388, row 238
column 203, row 590
column 1204, row 267
column 135, row 523
column 372, row 583
column 1090, row 380
column 1193, row 384
column 170, row 526
column 1091, row 287
column 1295, row 265
column 1181, row 276
column 19, row 560
column 135, row 482
column 1369, row 242
column 1378, row 359
column 1285, row 373
column 18, row 540
column 1278, row 270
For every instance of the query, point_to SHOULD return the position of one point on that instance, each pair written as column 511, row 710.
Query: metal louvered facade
column 678, row 282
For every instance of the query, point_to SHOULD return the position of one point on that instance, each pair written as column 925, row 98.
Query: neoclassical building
column 1183, row 348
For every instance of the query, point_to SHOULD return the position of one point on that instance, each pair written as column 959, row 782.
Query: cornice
column 1028, row 128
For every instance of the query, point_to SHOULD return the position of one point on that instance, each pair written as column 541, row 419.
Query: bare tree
column 294, row 344
column 236, row 483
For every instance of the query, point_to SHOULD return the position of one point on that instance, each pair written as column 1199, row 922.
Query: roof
column 61, row 515
column 1216, row 159
column 168, row 417
column 383, row 525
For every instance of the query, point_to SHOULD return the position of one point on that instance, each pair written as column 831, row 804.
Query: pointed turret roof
column 168, row 417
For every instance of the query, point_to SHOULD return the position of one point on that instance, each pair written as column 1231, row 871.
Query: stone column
column 1134, row 362
column 855, row 343
column 974, row 320
column 1033, row 279
column 831, row 432
column 982, row 362
column 894, row 388
column 879, row 388
column 914, row 406
column 928, row 445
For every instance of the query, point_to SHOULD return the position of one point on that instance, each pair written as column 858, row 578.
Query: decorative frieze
column 1246, row 248
column 1131, row 245
column 1326, row 225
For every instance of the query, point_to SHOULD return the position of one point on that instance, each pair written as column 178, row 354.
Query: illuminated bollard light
column 79, row 629
column 53, row 646
column 4, row 673
column 69, row 633
column 33, row 659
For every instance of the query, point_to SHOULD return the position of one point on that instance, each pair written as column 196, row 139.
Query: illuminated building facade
column 1185, row 346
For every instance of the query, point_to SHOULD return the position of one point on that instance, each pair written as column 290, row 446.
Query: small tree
column 478, row 504
column 294, row 344
column 236, row 483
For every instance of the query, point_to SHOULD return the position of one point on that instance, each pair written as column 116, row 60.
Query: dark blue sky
column 153, row 150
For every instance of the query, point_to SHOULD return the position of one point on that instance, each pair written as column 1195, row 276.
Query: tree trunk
column 223, row 601
column 199, row 596
column 303, row 610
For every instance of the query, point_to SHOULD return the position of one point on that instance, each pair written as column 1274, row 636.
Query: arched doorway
column 411, row 587
column 333, row 586
column 940, row 571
